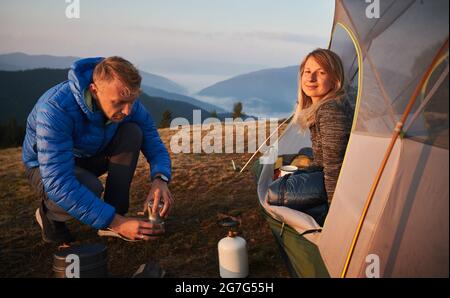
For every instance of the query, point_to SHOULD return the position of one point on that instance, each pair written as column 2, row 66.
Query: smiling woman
column 316, row 81
column 325, row 110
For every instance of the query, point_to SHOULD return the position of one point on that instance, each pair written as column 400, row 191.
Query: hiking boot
column 52, row 231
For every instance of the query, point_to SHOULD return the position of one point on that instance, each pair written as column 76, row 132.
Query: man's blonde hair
column 332, row 64
column 118, row 68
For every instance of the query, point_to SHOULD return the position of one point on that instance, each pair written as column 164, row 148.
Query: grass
column 204, row 187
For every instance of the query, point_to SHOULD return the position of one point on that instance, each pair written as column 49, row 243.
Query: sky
column 194, row 42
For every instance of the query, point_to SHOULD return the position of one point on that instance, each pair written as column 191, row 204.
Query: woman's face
column 316, row 82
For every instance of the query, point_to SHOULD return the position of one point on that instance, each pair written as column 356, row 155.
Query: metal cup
column 155, row 217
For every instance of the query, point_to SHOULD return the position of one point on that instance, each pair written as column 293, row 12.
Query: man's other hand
column 134, row 229
column 159, row 192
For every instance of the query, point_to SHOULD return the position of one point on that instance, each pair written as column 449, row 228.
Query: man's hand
column 136, row 229
column 158, row 191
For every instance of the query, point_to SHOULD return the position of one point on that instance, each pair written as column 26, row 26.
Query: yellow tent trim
column 358, row 96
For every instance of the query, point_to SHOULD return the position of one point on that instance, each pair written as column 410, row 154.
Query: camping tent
column 391, row 204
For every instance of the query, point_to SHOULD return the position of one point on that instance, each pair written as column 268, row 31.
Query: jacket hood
column 80, row 76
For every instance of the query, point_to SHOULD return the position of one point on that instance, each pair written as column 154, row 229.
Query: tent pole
column 263, row 143
column 397, row 131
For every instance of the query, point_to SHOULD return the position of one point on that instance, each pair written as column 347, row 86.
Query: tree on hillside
column 237, row 110
column 166, row 119
column 11, row 134
column 213, row 114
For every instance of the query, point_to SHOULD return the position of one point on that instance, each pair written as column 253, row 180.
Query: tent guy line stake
column 264, row 143
column 395, row 135
column 233, row 164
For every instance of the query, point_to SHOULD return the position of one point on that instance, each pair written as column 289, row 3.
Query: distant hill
column 22, row 61
column 19, row 91
column 157, row 105
column 162, row 83
column 265, row 91
column 174, row 96
column 9, row 67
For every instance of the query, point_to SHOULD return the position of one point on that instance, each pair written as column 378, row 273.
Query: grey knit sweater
column 329, row 136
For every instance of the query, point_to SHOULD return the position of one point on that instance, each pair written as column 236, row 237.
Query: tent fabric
column 431, row 127
column 343, row 45
column 353, row 187
column 302, row 256
column 399, row 54
column 420, row 111
column 414, row 223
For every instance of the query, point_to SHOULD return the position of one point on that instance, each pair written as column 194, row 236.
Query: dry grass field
column 204, row 186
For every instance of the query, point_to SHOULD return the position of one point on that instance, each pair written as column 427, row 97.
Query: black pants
column 119, row 160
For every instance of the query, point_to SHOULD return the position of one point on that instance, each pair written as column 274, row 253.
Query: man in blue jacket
column 89, row 125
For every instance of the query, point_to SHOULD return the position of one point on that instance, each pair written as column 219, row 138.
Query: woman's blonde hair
column 332, row 64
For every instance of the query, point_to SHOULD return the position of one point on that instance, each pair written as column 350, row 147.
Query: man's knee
column 132, row 133
column 89, row 180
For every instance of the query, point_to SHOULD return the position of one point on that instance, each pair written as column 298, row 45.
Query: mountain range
column 153, row 85
column 22, row 61
column 268, row 91
column 155, row 92
column 19, row 91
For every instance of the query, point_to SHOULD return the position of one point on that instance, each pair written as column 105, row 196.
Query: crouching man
column 89, row 125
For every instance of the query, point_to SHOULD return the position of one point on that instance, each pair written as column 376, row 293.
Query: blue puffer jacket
column 61, row 126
